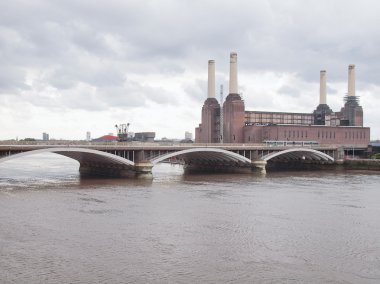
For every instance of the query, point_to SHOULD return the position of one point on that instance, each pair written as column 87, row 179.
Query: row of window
column 296, row 134
column 263, row 118
column 279, row 116
column 324, row 134
column 351, row 135
column 281, row 121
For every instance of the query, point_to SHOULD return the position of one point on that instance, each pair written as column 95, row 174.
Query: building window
column 318, row 134
column 345, row 135
column 334, row 135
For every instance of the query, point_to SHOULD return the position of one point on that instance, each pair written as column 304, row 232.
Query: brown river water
column 284, row 227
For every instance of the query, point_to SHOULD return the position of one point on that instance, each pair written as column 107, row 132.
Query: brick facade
column 233, row 119
column 342, row 135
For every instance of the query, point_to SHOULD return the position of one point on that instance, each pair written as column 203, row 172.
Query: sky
column 68, row 67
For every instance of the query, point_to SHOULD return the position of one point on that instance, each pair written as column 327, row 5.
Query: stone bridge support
column 143, row 166
column 143, row 170
column 106, row 170
column 259, row 166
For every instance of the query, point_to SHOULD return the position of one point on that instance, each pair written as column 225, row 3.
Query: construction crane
column 122, row 132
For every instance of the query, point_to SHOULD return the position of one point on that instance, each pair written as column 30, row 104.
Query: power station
column 322, row 126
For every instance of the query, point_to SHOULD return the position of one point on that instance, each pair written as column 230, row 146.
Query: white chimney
column 211, row 79
column 322, row 88
column 351, row 80
column 233, row 73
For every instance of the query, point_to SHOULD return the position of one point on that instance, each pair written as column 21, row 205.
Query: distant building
column 45, row 136
column 88, row 136
column 144, row 136
column 374, row 147
column 188, row 135
column 324, row 126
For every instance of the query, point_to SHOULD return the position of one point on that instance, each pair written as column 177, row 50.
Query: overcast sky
column 72, row 66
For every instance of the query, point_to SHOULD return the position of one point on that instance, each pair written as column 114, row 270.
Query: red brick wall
column 321, row 134
column 210, row 111
column 233, row 119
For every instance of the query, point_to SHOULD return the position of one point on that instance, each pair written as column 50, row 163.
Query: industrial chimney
column 322, row 88
column 233, row 73
column 233, row 108
column 323, row 111
column 211, row 79
column 351, row 80
column 352, row 112
column 209, row 129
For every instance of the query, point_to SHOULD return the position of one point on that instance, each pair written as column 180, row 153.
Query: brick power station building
column 233, row 124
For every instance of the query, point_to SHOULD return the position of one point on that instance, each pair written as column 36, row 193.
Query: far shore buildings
column 232, row 123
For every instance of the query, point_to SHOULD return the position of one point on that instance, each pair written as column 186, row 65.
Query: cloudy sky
column 67, row 67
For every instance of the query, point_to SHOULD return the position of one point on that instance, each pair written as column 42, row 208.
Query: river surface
column 289, row 227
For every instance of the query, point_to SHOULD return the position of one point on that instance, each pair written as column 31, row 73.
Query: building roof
column 107, row 137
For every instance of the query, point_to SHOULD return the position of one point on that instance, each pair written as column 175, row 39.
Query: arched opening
column 91, row 162
column 207, row 160
column 298, row 159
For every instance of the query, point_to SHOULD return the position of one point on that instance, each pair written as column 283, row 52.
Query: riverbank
column 363, row 164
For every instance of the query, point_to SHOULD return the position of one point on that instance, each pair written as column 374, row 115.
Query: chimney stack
column 233, row 73
column 351, row 80
column 211, row 79
column 322, row 88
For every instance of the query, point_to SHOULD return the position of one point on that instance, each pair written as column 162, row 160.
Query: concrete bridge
column 138, row 159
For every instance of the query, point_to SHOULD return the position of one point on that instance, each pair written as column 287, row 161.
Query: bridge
column 138, row 159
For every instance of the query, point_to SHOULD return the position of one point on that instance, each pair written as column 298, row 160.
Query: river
column 284, row 227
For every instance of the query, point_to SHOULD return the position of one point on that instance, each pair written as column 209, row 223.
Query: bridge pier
column 259, row 166
column 104, row 170
column 143, row 170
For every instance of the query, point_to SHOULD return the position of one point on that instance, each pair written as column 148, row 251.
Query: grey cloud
column 197, row 91
column 331, row 90
column 101, row 44
column 289, row 91
column 100, row 75
column 12, row 80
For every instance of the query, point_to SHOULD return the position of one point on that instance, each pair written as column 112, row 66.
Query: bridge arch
column 207, row 154
column 82, row 155
column 299, row 154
